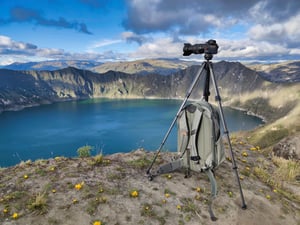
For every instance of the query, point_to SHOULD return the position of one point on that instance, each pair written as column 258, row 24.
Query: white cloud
column 5, row 41
column 6, row 60
column 159, row 48
column 9, row 45
column 284, row 35
column 104, row 42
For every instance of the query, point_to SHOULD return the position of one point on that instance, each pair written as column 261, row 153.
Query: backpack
column 199, row 137
column 199, row 143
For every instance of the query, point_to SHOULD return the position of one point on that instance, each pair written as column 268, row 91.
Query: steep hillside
column 278, row 72
column 34, row 87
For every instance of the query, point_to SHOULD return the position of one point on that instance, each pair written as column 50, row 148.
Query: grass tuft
column 38, row 204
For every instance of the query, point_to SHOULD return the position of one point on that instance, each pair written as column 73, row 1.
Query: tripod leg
column 234, row 166
column 175, row 119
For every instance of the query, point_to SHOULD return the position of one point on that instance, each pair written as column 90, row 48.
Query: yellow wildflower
column 230, row 194
column 167, row 195
column 25, row 176
column 178, row 207
column 245, row 154
column 15, row 216
column 164, row 201
column 268, row 197
column 103, row 199
column 97, row 222
column 52, row 168
column 79, row 186
column 134, row 194
column 106, row 161
column 228, row 158
column 275, row 190
column 75, row 201
column 5, row 210
column 169, row 176
column 53, row 191
column 198, row 189
column 57, row 158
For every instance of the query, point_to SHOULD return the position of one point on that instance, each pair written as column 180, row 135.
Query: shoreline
column 250, row 113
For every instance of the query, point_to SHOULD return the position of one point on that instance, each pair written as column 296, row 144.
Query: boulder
column 288, row 148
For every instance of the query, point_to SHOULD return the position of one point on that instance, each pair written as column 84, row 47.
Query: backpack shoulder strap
column 196, row 125
column 213, row 184
column 183, row 132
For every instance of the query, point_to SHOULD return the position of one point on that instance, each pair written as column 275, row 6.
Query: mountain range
column 275, row 72
column 146, row 66
column 52, row 65
column 22, row 88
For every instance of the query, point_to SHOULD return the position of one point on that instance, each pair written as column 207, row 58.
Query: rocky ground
column 114, row 190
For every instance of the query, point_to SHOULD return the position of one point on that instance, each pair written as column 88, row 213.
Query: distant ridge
column 146, row 66
column 278, row 72
column 288, row 71
column 161, row 66
column 52, row 65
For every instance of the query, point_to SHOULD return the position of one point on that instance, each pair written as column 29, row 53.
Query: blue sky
column 118, row 30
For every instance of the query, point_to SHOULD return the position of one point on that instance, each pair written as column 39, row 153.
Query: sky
column 125, row 30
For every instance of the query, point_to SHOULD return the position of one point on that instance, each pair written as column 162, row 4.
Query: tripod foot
column 213, row 218
column 244, row 206
column 150, row 177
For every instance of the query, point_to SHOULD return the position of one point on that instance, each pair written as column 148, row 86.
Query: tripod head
column 208, row 56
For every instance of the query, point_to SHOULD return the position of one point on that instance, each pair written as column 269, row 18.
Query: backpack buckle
column 195, row 158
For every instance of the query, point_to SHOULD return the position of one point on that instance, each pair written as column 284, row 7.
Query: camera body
column 210, row 47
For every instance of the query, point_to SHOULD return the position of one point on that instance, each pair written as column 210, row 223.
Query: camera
column 210, row 47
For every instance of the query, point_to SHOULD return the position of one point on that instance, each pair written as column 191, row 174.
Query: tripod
column 206, row 65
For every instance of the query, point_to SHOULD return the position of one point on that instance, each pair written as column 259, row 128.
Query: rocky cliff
column 27, row 88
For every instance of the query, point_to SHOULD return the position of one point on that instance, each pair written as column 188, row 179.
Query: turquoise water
column 109, row 125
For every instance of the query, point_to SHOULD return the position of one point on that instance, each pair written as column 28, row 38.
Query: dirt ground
column 114, row 190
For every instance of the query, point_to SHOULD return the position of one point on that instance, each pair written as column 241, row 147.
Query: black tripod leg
column 175, row 119
column 234, row 166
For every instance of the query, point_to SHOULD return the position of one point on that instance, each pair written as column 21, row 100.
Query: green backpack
column 199, row 137
column 200, row 145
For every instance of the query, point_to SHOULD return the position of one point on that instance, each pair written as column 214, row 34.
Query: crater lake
column 108, row 125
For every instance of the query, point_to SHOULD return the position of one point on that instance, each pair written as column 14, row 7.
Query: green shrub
column 84, row 151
